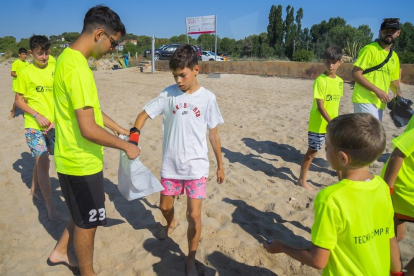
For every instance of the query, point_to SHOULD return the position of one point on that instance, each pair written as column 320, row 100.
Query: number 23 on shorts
column 94, row 212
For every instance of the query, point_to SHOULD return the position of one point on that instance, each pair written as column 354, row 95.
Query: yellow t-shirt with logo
column 403, row 194
column 17, row 66
column 75, row 88
column 36, row 85
column 330, row 90
column 354, row 220
column 370, row 56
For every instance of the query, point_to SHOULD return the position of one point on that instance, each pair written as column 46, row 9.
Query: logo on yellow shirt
column 40, row 89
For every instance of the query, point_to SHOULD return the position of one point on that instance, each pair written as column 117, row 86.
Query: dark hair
column 361, row 136
column 333, row 53
column 39, row 41
column 22, row 50
column 103, row 17
column 184, row 56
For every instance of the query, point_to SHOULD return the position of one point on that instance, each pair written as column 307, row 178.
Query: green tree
column 71, row 37
column 405, row 42
column 271, row 27
column 290, row 31
column 131, row 48
column 206, row 42
column 298, row 35
column 228, row 45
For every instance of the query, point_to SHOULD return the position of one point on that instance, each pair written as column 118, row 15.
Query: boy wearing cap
column 371, row 89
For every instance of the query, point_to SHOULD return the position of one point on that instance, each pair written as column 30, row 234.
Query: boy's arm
column 135, row 132
column 316, row 256
column 361, row 80
column 20, row 103
column 395, row 255
column 96, row 134
column 322, row 110
column 215, row 143
column 116, row 129
column 394, row 166
column 13, row 74
column 141, row 119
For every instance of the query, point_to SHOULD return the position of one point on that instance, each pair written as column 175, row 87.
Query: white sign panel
column 201, row 24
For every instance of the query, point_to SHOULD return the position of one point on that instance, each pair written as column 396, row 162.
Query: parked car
column 210, row 56
column 166, row 51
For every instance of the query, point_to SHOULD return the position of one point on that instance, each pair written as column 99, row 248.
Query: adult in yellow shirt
column 34, row 95
column 353, row 232
column 371, row 89
column 398, row 172
column 80, row 137
column 17, row 66
column 327, row 92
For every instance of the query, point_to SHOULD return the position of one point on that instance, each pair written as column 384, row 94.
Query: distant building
column 65, row 45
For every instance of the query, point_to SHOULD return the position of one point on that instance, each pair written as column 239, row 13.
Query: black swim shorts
column 85, row 198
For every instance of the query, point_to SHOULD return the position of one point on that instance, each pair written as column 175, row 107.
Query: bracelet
column 395, row 273
column 35, row 115
column 391, row 190
column 134, row 129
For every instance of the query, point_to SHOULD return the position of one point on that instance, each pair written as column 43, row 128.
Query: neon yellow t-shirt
column 17, row 66
column 36, row 85
column 75, row 88
column 52, row 60
column 370, row 56
column 330, row 91
column 354, row 220
column 403, row 194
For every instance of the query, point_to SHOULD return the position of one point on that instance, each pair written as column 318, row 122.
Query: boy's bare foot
column 36, row 194
column 305, row 185
column 170, row 228
column 190, row 268
column 68, row 260
column 53, row 214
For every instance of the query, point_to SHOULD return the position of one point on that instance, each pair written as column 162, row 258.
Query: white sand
column 263, row 139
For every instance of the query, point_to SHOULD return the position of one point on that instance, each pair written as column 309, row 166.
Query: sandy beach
column 263, row 141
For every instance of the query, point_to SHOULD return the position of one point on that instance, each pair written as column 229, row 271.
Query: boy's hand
column 273, row 247
column 382, row 96
column 43, row 121
column 132, row 151
column 120, row 130
column 52, row 125
column 220, row 176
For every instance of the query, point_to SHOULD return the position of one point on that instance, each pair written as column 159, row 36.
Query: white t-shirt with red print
column 186, row 118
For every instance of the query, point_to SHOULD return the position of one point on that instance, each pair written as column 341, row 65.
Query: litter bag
column 134, row 179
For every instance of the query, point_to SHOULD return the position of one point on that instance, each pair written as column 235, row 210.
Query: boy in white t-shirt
column 188, row 109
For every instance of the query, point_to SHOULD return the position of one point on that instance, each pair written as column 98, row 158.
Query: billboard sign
column 201, row 24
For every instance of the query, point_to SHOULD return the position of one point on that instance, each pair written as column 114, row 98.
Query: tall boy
column 35, row 86
column 188, row 109
column 398, row 172
column 80, row 137
column 17, row 65
column 353, row 228
column 327, row 92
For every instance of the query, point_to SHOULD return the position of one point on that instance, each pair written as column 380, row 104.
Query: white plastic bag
column 134, row 179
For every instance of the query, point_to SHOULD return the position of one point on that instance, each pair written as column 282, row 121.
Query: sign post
column 202, row 25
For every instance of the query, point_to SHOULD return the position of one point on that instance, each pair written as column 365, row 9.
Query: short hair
column 39, row 41
column 184, row 56
column 103, row 17
column 360, row 135
column 22, row 51
column 333, row 53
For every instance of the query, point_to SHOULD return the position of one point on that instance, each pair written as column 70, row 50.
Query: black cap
column 390, row 24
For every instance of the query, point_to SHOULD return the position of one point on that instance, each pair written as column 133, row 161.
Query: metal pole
column 153, row 54
column 215, row 50
column 186, row 31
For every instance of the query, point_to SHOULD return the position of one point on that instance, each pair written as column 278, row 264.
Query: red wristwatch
column 134, row 136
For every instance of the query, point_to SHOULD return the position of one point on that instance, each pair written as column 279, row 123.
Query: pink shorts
column 195, row 188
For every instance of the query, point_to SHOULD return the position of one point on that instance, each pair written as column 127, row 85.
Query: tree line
column 285, row 39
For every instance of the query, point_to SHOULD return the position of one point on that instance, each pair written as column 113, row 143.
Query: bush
column 406, row 57
column 303, row 56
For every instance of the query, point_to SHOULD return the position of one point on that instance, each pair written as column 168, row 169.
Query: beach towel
column 134, row 179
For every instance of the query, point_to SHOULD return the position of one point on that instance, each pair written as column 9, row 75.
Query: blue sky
column 236, row 19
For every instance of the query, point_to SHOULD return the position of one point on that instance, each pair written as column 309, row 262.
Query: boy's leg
column 61, row 252
column 193, row 232
column 83, row 241
column 307, row 160
column 43, row 164
column 399, row 228
column 34, row 190
column 167, row 210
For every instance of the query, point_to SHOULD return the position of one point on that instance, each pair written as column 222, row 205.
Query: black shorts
column 85, row 198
